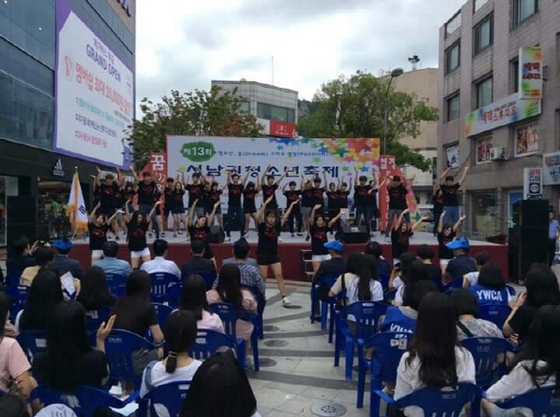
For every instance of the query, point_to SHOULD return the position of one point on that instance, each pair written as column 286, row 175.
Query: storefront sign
column 58, row 170
column 530, row 73
column 282, row 129
column 551, row 168
column 532, row 183
column 527, row 140
column 503, row 112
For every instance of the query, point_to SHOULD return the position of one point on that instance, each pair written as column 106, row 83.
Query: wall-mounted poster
column 452, row 156
column 483, row 146
column 527, row 140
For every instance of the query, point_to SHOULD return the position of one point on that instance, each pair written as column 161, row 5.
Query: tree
column 355, row 107
column 209, row 113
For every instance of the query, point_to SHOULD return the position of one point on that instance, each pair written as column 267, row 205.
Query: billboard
column 94, row 94
column 217, row 155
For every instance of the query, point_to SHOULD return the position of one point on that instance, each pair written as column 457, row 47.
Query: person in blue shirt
column 553, row 229
column 110, row 263
column 491, row 287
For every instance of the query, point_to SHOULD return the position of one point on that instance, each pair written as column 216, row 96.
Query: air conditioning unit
column 497, row 154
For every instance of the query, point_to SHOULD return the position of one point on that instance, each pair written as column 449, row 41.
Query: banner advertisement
column 503, row 112
column 530, row 73
column 299, row 157
column 95, row 94
column 551, row 168
column 527, row 140
column 532, row 183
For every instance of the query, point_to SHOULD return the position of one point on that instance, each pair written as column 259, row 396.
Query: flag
column 76, row 210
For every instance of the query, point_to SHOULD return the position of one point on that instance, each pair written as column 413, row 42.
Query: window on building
column 482, row 151
column 271, row 112
column 484, row 94
column 453, row 24
column 453, row 109
column 244, row 106
column 523, row 9
column 526, row 139
column 514, row 75
column 478, row 4
column 485, row 213
column 453, row 57
column 483, row 34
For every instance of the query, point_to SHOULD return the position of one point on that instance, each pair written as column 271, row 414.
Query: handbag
column 341, row 302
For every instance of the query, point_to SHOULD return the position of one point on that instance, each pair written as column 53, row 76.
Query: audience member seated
column 43, row 259
column 14, row 366
column 418, row 271
column 197, row 264
column 426, row 254
column 538, row 365
column 110, row 263
column 229, row 291
column 240, row 255
column 211, row 393
column 63, row 263
column 94, row 293
column 471, row 278
column 435, row 357
column 193, row 298
column 44, row 294
column 22, row 257
column 180, row 333
column 491, row 287
column 375, row 249
column 358, row 282
column 399, row 274
column 135, row 313
column 335, row 266
column 159, row 263
column 541, row 289
column 403, row 318
column 468, row 322
column 462, row 263
column 70, row 360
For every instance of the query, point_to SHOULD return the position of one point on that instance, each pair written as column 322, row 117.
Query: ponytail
column 171, row 364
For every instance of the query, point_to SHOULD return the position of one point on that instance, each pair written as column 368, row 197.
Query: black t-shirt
column 128, row 194
column 461, row 265
column 97, row 235
column 234, row 194
column 249, row 197
column 437, row 200
column 90, row 369
column 343, row 198
column 397, row 197
column 318, row 193
column 399, row 242
column 318, row 240
column 307, row 197
column 168, row 196
column 202, row 233
column 291, row 196
column 522, row 320
column 450, row 197
column 268, row 239
column 137, row 235
column 146, row 192
column 210, row 197
column 270, row 190
column 195, row 193
column 177, row 198
column 107, row 195
column 371, row 198
column 333, row 200
column 119, row 198
column 134, row 316
column 444, row 251
column 361, row 193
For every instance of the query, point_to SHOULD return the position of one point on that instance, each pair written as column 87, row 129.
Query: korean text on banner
column 76, row 209
column 532, row 183
column 551, row 168
column 530, row 73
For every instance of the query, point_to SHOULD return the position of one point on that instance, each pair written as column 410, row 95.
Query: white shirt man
column 159, row 263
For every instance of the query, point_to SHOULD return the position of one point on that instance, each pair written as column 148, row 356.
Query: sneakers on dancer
column 307, row 238
column 286, row 301
column 293, row 235
column 300, row 234
column 280, row 239
column 227, row 239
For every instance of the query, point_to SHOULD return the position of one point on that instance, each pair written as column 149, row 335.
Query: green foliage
column 355, row 107
column 204, row 113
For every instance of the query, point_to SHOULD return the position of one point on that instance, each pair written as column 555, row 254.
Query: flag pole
column 75, row 205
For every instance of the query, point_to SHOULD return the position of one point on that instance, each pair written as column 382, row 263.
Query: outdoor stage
column 290, row 250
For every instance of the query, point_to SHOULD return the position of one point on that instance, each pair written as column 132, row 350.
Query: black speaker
column 353, row 234
column 217, row 235
column 526, row 246
column 531, row 213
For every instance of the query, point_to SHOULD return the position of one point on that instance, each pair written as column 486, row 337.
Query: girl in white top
column 471, row 279
column 435, row 357
column 193, row 298
column 360, row 281
column 538, row 365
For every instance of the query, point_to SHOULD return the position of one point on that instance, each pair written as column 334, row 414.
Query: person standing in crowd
column 292, row 195
column 107, row 189
column 319, row 191
column 146, row 189
column 138, row 224
column 168, row 203
column 553, row 231
column 249, row 207
column 195, row 190
column 449, row 189
column 269, row 187
column 212, row 203
column 437, row 201
column 333, row 202
column 364, row 195
column 235, row 209
column 446, row 234
column 397, row 189
column 318, row 230
column 343, row 194
column 306, row 205
column 267, row 248
column 177, row 203
column 98, row 227
column 200, row 229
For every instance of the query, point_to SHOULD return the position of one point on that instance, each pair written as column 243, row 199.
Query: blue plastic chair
column 171, row 396
column 326, row 281
column 485, row 351
column 261, row 301
column 541, row 401
column 115, row 281
column 208, row 342
column 174, row 295
column 333, row 314
column 229, row 315
column 163, row 311
column 388, row 347
column 365, row 316
column 390, row 295
column 453, row 285
column 384, row 280
column 161, row 281
column 209, row 279
column 33, row 342
column 84, row 402
column 96, row 317
column 119, row 346
column 497, row 314
column 18, row 293
column 12, row 280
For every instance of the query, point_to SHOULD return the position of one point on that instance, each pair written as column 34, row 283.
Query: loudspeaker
column 531, row 213
column 526, row 246
column 353, row 234
column 217, row 235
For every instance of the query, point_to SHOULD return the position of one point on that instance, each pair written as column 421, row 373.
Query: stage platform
column 290, row 250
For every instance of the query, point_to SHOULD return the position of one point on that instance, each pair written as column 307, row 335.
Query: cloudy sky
column 184, row 44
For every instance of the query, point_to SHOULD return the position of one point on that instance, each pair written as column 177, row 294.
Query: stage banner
column 337, row 157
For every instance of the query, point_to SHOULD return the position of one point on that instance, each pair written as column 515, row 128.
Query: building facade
column 486, row 121
column 275, row 108
column 35, row 158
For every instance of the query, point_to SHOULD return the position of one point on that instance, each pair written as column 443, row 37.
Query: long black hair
column 44, row 294
column 137, row 300
column 229, row 286
column 179, row 332
column 434, row 341
column 67, row 342
column 94, row 293
column 491, row 276
column 361, row 265
column 193, row 296
column 5, row 304
column 542, row 286
column 220, row 387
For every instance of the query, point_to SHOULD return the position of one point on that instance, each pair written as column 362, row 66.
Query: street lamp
column 397, row 72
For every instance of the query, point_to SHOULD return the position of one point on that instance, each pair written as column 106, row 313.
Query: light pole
column 397, row 72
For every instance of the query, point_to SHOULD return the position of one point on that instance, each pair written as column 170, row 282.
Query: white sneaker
column 286, row 301
column 227, row 239
column 280, row 239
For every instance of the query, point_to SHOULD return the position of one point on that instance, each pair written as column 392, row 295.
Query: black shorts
column 250, row 208
column 167, row 209
column 264, row 260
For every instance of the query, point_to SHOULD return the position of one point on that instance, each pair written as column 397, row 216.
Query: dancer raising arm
column 267, row 247
column 318, row 229
column 200, row 230
column 137, row 224
column 98, row 226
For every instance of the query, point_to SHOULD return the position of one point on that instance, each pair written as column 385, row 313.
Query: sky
column 184, row 44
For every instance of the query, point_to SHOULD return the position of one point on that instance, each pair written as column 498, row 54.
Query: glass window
column 453, row 108
column 483, row 146
column 479, row 3
column 485, row 210
column 453, row 24
column 523, row 9
column 452, row 57
column 514, row 75
column 270, row 112
column 244, row 106
column 484, row 93
column 483, row 36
